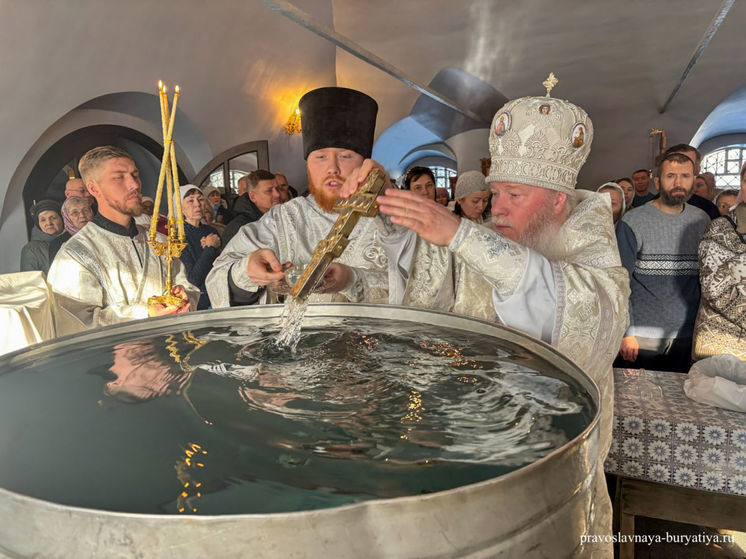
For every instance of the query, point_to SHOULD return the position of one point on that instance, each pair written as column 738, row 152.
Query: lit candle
column 164, row 164
column 174, row 168
column 164, row 109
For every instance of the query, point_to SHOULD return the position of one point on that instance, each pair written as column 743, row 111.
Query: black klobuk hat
column 337, row 117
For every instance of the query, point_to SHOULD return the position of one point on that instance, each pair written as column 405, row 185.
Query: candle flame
column 160, row 85
column 176, row 89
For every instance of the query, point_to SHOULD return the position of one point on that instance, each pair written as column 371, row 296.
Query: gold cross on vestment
column 549, row 83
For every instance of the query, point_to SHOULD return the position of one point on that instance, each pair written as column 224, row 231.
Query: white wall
column 470, row 147
column 242, row 69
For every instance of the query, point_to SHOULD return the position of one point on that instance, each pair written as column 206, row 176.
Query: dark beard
column 673, row 199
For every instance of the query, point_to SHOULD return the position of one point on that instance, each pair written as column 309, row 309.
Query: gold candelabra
column 293, row 125
column 175, row 240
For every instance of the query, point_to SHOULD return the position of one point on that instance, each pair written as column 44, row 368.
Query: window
column 232, row 164
column 725, row 164
column 216, row 178
column 443, row 177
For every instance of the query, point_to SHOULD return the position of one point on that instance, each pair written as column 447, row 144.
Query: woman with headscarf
column 203, row 242
column 472, row 196
column 721, row 321
column 35, row 255
column 618, row 199
column 628, row 187
column 76, row 212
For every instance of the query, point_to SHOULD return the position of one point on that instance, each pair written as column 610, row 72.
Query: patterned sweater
column 659, row 251
column 721, row 323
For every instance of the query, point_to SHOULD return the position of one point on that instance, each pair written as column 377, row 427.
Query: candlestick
column 174, row 168
column 162, row 99
column 170, row 248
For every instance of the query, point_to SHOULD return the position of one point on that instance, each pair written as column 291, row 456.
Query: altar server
column 107, row 271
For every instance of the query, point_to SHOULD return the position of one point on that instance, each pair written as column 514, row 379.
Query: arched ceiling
column 618, row 60
column 727, row 119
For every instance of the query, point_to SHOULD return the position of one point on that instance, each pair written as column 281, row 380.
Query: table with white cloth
column 676, row 459
column 26, row 310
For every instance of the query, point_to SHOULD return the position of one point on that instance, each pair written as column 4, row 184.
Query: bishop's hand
column 431, row 221
column 358, row 176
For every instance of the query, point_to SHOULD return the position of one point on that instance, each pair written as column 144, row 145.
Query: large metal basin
column 539, row 510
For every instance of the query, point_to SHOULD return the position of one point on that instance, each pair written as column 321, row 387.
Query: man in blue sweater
column 658, row 246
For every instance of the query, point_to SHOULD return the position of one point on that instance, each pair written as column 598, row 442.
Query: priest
column 107, row 271
column 548, row 265
column 338, row 129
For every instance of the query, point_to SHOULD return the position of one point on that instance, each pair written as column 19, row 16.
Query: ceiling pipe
column 302, row 18
column 703, row 42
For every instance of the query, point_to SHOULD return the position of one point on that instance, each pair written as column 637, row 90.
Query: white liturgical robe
column 292, row 230
column 105, row 274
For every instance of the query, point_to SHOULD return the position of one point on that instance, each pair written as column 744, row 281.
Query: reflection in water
column 142, row 373
column 229, row 423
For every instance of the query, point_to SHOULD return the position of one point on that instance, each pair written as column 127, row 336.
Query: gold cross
column 549, row 83
column 361, row 204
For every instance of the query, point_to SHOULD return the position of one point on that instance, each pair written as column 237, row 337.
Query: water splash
column 290, row 323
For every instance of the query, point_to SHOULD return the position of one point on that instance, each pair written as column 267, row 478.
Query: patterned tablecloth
column 661, row 435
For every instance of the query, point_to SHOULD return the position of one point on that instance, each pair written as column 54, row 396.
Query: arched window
column 725, row 163
column 443, row 176
column 232, row 164
column 217, row 178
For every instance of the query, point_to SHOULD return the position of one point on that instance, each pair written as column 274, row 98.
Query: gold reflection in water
column 185, row 467
column 415, row 409
column 445, row 349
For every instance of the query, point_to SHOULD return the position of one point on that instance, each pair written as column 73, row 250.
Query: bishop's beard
column 543, row 232
column 324, row 198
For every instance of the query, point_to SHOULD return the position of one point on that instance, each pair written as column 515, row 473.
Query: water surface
column 218, row 420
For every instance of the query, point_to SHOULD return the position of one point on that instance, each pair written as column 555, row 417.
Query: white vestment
column 292, row 230
column 100, row 277
column 575, row 298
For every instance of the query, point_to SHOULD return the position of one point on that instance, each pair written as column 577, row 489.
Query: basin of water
column 209, row 418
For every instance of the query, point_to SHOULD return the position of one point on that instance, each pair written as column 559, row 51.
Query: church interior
column 243, row 66
column 78, row 74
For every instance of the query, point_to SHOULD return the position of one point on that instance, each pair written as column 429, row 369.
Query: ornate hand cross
column 361, row 204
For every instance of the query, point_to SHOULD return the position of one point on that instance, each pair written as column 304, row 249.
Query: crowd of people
column 647, row 278
column 665, row 236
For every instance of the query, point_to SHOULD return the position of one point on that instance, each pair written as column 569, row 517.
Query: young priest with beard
column 338, row 129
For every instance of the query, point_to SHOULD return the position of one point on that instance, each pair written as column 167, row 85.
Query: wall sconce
column 293, row 124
